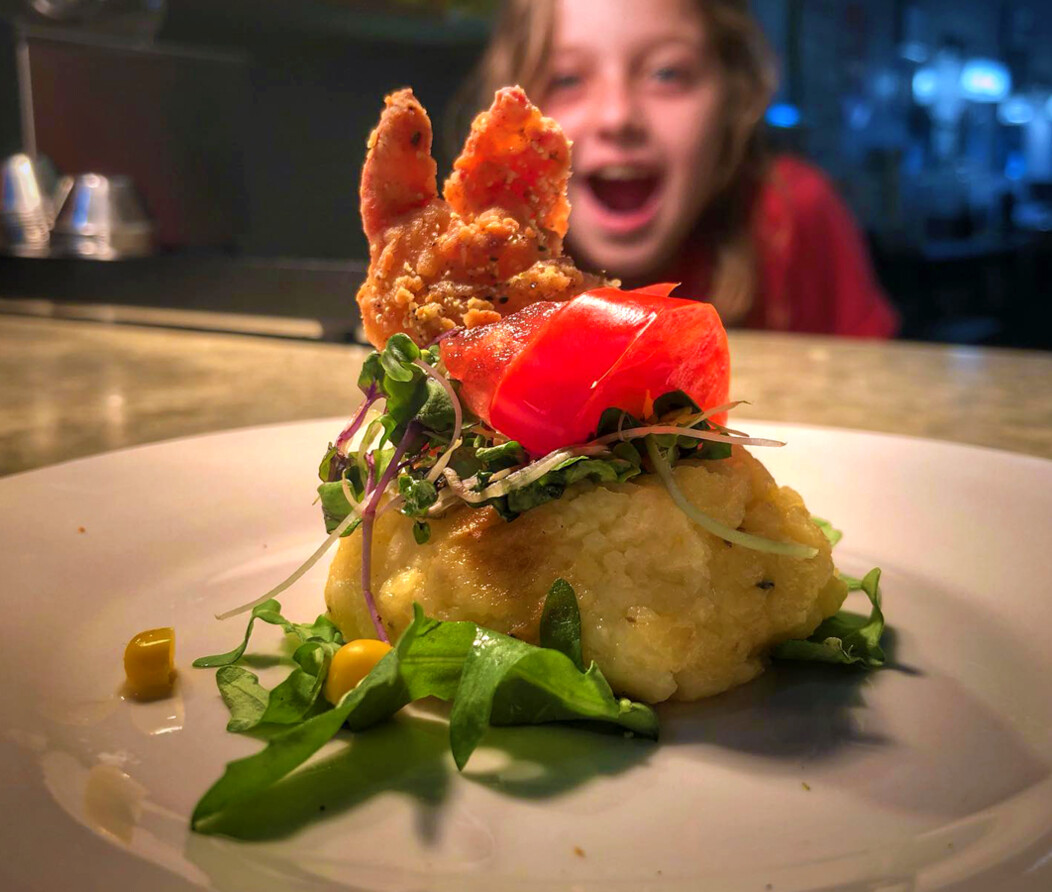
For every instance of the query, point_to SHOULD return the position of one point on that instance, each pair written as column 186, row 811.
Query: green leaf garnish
column 398, row 356
column 419, row 495
column 268, row 612
column 515, row 501
column 322, row 629
column 489, row 677
column 379, row 696
column 504, row 455
column 335, row 507
column 436, row 414
column 421, row 532
column 846, row 638
column 243, row 695
column 250, row 703
column 561, row 622
column 294, row 698
column 829, row 531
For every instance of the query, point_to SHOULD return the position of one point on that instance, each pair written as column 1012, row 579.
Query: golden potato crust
column 668, row 611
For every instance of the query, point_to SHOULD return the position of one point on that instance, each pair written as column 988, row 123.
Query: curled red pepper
column 544, row 376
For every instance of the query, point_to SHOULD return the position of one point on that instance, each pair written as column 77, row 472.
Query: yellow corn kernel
column 350, row 664
column 149, row 664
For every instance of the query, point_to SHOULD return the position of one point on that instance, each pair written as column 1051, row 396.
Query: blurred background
column 227, row 137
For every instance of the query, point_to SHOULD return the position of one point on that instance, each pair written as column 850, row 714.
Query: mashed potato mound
column 668, row 611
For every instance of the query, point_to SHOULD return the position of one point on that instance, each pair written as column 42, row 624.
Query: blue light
column 925, row 86
column 783, row 115
column 1015, row 166
column 1015, row 111
column 985, row 80
column 914, row 51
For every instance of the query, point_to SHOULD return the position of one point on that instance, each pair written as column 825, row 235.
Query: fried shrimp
column 490, row 246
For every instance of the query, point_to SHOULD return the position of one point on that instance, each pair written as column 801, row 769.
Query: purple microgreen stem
column 371, row 396
column 372, row 497
column 439, row 338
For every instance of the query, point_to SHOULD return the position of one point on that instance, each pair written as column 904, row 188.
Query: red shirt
column 815, row 273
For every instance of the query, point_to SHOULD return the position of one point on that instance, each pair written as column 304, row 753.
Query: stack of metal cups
column 29, row 196
column 91, row 216
column 101, row 218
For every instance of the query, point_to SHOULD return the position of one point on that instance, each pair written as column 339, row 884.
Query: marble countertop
column 70, row 389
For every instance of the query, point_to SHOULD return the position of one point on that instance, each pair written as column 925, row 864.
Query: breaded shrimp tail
column 491, row 246
column 399, row 174
column 514, row 159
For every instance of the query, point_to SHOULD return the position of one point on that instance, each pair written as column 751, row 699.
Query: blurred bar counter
column 213, row 291
column 71, row 388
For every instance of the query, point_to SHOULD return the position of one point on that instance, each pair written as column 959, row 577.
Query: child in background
column 663, row 100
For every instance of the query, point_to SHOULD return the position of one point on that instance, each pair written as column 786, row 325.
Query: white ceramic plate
column 932, row 774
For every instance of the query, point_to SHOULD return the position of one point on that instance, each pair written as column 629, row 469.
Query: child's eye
column 670, row 74
column 564, row 82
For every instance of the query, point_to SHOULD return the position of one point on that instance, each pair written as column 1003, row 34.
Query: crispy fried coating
column 668, row 611
column 489, row 247
column 514, row 159
column 399, row 173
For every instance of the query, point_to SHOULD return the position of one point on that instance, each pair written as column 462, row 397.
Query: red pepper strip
column 544, row 376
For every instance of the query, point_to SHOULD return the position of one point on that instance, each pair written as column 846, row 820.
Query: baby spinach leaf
column 613, row 420
column 491, row 679
column 561, row 622
column 294, row 698
column 674, row 403
column 243, row 695
column 509, row 682
column 489, row 659
column 846, row 637
column 708, row 451
column 379, row 696
column 465, row 460
column 545, row 686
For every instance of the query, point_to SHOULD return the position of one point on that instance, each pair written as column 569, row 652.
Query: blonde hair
column 518, row 54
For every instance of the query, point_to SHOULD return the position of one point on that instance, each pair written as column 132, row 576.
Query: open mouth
column 624, row 194
column 623, row 189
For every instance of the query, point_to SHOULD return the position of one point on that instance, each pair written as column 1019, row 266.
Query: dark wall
column 318, row 72
column 242, row 124
column 309, row 118
column 171, row 120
